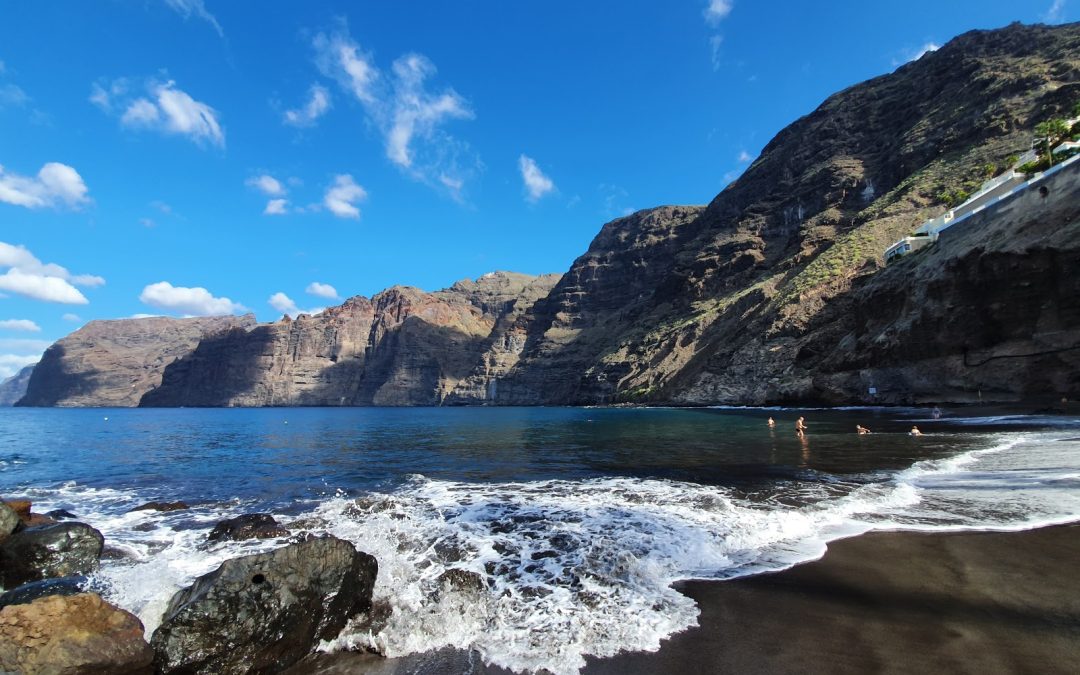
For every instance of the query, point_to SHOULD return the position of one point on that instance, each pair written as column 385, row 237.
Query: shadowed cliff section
column 736, row 290
column 14, row 388
column 113, row 363
column 404, row 346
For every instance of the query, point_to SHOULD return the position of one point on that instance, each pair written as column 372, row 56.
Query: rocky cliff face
column 113, row 363
column 775, row 292
column 402, row 347
column 14, row 387
column 735, row 292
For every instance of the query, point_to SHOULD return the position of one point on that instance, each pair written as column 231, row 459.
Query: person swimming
column 860, row 429
column 915, row 432
column 771, row 423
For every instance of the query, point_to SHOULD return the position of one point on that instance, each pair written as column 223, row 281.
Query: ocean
column 578, row 519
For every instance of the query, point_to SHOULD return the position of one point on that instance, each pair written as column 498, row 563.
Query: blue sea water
column 578, row 519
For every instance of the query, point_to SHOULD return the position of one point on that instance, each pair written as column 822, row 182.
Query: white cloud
column 23, row 346
column 266, row 184
column 285, row 305
column 317, row 105
column 400, row 105
column 38, row 287
column 25, row 325
column 342, row 196
column 55, row 184
column 909, row 55
column 536, row 183
column 1056, row 13
column 745, row 156
column 715, row 42
column 167, row 110
column 13, row 363
column 196, row 8
column 29, row 277
column 194, row 301
column 74, row 318
column 717, row 10
column 276, row 207
column 12, row 96
column 322, row 290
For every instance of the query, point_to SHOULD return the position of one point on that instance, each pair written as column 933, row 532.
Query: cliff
column 14, row 387
column 736, row 292
column 402, row 347
column 775, row 292
column 113, row 363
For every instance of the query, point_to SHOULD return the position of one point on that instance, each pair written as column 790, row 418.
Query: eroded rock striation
column 404, row 346
column 775, row 292
column 113, row 363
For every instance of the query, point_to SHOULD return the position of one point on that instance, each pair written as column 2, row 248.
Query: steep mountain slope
column 733, row 290
column 401, row 347
column 113, row 363
column 14, row 387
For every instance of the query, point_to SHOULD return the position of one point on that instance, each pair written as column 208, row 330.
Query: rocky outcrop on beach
column 249, row 526
column 261, row 613
column 72, row 635
column 403, row 346
column 113, row 363
column 775, row 292
column 14, row 388
column 49, row 551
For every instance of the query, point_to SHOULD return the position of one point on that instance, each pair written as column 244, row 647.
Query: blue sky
column 187, row 157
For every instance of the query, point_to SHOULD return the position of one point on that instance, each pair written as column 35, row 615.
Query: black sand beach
column 886, row 602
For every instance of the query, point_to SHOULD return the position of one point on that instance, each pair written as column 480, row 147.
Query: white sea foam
column 576, row 568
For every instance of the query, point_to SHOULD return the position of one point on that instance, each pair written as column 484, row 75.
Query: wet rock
column 9, row 521
column 60, row 514
column 21, row 507
column 27, row 593
column 72, row 635
column 261, row 613
column 38, row 519
column 162, row 506
column 462, row 581
column 49, row 551
column 249, row 526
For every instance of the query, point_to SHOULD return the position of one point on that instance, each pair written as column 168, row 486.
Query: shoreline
column 881, row 602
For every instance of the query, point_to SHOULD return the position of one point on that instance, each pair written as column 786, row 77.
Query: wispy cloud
column 322, row 290
column 717, row 10
column 166, row 109
column 26, row 275
column 745, row 156
column 401, row 105
column 25, row 325
column 196, row 301
column 536, row 183
column 343, row 195
column 317, row 105
column 1056, row 12
column 56, row 184
column 13, row 363
column 276, row 207
column 916, row 53
column 196, row 8
column 73, row 318
column 266, row 184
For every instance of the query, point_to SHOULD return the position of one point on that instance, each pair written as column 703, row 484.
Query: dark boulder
column 60, row 514
column 49, row 551
column 461, row 581
column 162, row 506
column 261, row 613
column 250, row 526
column 27, row 593
column 72, row 635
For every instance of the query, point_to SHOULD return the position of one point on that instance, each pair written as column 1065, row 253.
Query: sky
column 196, row 157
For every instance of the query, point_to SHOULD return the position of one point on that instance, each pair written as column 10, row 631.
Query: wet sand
column 885, row 602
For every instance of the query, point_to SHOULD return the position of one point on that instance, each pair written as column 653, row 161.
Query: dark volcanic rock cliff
column 733, row 293
column 401, row 347
column 775, row 292
column 113, row 363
